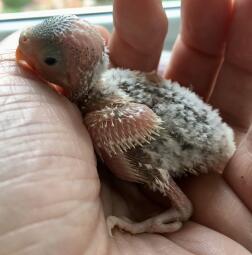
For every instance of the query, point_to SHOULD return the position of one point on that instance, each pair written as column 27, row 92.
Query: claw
column 166, row 222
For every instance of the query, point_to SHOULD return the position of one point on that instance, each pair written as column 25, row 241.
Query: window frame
column 102, row 15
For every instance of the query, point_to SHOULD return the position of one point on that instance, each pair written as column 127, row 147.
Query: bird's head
column 64, row 50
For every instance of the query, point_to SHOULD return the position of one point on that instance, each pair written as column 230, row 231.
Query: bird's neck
column 89, row 89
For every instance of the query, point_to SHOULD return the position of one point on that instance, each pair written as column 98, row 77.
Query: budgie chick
column 146, row 129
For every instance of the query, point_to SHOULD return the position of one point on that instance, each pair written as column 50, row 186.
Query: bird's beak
column 19, row 55
column 21, row 60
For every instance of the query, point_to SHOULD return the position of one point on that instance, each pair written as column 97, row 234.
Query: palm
column 49, row 184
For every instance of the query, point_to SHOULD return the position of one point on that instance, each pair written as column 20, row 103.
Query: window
column 10, row 6
column 20, row 13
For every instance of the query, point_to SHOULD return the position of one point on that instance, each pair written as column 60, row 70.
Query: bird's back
column 193, row 139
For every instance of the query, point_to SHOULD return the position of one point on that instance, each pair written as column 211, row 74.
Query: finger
column 146, row 244
column 104, row 33
column 233, row 91
column 218, row 207
column 138, row 37
column 201, row 240
column 239, row 171
column 48, row 179
column 198, row 50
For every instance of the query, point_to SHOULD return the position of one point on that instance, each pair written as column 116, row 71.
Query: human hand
column 50, row 201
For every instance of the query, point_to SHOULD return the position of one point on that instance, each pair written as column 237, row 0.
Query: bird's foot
column 167, row 222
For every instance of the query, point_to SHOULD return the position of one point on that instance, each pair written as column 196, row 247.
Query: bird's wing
column 116, row 129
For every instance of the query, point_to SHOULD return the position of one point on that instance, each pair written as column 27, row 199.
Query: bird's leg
column 118, row 132
column 166, row 222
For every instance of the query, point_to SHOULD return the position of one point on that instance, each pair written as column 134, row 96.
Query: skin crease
column 50, row 199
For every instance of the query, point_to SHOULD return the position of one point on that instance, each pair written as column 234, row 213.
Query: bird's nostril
column 24, row 39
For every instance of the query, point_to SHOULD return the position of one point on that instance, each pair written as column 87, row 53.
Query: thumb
column 48, row 178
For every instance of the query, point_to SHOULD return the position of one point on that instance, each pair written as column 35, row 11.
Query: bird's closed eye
column 50, row 61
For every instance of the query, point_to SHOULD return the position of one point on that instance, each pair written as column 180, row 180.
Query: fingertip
column 104, row 33
column 206, row 31
column 139, row 34
column 199, row 49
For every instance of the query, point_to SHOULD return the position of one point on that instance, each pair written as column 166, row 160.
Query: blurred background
column 10, row 6
column 17, row 14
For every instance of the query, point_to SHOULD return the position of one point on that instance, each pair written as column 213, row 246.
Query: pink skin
column 68, row 214
column 82, row 45
column 115, row 125
column 89, row 40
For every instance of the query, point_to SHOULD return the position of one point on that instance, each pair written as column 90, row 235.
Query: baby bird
column 146, row 129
